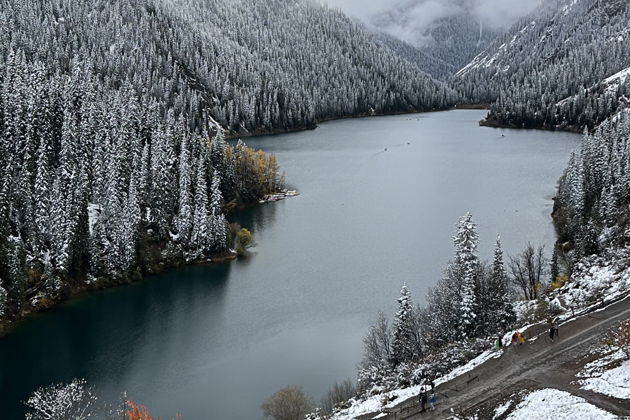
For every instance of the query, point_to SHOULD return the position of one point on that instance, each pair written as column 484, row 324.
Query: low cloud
column 408, row 19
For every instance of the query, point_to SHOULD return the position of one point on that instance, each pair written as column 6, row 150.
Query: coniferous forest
column 113, row 156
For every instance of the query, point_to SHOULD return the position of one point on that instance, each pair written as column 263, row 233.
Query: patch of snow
column 567, row 8
column 613, row 382
column 547, row 404
column 598, row 366
column 619, row 77
column 500, row 410
column 595, row 282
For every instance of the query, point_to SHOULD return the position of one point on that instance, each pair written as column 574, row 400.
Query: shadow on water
column 102, row 337
column 257, row 218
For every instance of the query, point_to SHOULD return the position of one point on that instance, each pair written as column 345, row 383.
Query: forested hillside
column 99, row 186
column 547, row 70
column 251, row 65
column 591, row 209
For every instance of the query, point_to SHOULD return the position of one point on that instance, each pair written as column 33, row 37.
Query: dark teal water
column 212, row 342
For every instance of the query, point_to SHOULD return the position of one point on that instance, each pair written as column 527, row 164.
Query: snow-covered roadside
column 595, row 282
column 552, row 404
column 393, row 398
column 597, row 376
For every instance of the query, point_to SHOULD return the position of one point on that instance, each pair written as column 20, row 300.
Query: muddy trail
column 539, row 363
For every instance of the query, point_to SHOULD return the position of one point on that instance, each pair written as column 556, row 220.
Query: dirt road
column 537, row 364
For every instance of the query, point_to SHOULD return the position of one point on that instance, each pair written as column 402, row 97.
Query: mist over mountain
column 448, row 33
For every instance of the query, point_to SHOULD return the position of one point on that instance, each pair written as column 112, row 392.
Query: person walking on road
column 521, row 339
column 423, row 400
column 432, row 401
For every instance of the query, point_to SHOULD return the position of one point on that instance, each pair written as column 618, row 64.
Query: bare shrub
column 528, row 270
column 290, row 403
column 339, row 393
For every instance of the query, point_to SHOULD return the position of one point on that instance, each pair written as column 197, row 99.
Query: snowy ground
column 595, row 282
column 374, row 403
column 608, row 375
column 552, row 404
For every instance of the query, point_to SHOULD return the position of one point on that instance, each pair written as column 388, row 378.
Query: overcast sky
column 496, row 13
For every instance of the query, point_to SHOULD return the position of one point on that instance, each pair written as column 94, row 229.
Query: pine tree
column 217, row 219
column 467, row 263
column 495, row 305
column 184, row 219
column 200, row 236
column 404, row 346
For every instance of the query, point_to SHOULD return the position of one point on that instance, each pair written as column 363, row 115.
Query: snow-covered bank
column 552, row 404
column 382, row 402
column 608, row 375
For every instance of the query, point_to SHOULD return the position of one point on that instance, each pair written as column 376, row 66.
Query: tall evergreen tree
column 404, row 345
column 466, row 240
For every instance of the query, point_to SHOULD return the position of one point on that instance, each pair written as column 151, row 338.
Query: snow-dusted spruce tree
column 494, row 304
column 62, row 401
column 184, row 219
column 218, row 225
column 200, row 237
column 466, row 240
column 405, row 344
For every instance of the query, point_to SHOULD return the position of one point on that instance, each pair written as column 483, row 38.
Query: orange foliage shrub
column 140, row 412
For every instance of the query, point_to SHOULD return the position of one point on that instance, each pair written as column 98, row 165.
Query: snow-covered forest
column 112, row 112
column 591, row 209
column 99, row 185
column 550, row 69
column 250, row 65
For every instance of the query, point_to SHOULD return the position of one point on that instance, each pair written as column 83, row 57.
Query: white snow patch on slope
column 595, row 282
column 500, row 410
column 613, row 382
column 618, row 78
column 567, row 8
column 548, row 404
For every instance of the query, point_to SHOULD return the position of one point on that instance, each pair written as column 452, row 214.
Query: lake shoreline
column 279, row 131
column 493, row 123
column 150, row 268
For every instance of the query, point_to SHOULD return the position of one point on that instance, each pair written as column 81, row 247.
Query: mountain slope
column 551, row 55
column 251, row 65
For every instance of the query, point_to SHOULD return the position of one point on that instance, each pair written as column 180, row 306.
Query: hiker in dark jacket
column 423, row 400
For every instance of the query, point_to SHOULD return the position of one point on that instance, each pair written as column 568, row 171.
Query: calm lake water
column 212, row 342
